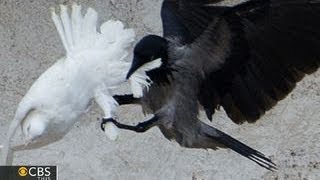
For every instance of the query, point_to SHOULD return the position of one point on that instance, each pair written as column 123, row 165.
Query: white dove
column 93, row 65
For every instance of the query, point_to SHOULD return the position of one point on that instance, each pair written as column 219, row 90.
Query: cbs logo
column 23, row 171
column 34, row 171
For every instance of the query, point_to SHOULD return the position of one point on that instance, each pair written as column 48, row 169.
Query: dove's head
column 34, row 125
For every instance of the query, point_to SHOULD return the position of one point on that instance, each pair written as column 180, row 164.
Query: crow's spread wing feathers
column 186, row 20
column 274, row 44
column 268, row 46
column 183, row 21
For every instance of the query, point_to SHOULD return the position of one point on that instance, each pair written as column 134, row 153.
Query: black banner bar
column 28, row 173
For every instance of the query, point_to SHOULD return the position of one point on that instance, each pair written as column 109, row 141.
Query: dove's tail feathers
column 78, row 32
column 6, row 151
column 115, row 32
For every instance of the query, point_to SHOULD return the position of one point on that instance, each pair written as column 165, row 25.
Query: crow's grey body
column 176, row 100
column 173, row 103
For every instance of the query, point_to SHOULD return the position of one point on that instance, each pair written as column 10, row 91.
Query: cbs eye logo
column 23, row 171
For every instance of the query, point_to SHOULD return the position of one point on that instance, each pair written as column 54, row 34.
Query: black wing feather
column 275, row 43
column 186, row 20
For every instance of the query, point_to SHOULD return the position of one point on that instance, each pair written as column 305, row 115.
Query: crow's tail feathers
column 237, row 146
column 79, row 32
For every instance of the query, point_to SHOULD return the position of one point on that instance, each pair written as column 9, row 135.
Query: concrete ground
column 29, row 44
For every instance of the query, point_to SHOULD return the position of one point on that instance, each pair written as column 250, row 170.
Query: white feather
column 66, row 26
column 139, row 79
column 89, row 31
column 76, row 22
column 150, row 65
column 58, row 24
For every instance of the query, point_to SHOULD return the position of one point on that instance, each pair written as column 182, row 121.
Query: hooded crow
column 244, row 58
column 94, row 64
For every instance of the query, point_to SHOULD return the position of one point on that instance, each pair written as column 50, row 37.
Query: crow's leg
column 126, row 99
column 141, row 127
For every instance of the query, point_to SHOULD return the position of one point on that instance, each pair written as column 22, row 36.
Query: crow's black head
column 149, row 48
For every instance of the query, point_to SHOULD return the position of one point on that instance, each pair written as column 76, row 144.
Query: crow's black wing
column 274, row 44
column 186, row 20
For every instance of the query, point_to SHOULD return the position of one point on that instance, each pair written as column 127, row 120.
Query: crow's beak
column 134, row 66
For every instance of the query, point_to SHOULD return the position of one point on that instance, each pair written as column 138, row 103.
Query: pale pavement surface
column 289, row 133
